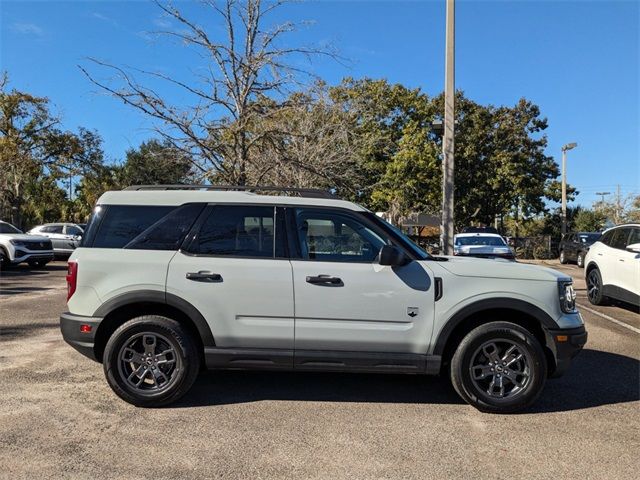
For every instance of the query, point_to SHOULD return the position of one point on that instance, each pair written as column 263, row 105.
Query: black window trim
column 360, row 216
column 204, row 215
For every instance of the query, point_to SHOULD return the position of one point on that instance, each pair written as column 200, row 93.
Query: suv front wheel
column 150, row 361
column 499, row 367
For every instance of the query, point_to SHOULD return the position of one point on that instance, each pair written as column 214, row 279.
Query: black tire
column 529, row 373
column 121, row 372
column 580, row 259
column 594, row 288
column 563, row 258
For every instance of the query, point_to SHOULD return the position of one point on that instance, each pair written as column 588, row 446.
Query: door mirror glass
column 392, row 256
column 634, row 247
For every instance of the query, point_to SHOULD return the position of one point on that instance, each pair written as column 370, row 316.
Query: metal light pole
column 566, row 147
column 447, row 225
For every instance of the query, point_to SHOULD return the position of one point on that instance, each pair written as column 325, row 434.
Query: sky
column 579, row 61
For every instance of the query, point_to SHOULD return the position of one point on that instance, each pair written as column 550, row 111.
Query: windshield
column 399, row 235
column 8, row 228
column 480, row 240
column 589, row 237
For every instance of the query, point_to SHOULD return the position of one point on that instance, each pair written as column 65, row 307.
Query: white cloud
column 161, row 22
column 27, row 29
column 104, row 18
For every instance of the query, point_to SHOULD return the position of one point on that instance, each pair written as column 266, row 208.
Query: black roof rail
column 301, row 192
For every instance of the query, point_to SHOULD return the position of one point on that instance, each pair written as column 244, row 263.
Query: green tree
column 155, row 162
column 586, row 220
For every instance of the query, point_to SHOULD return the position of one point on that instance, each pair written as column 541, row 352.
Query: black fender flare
column 506, row 303
column 157, row 296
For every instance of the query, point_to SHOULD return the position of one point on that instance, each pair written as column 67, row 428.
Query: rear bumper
column 566, row 344
column 82, row 341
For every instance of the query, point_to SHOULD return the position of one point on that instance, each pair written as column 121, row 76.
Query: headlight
column 567, row 296
column 18, row 242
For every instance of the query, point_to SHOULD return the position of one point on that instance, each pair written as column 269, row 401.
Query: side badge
column 412, row 311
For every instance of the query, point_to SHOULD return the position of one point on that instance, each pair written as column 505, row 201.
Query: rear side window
column 168, row 232
column 239, row 231
column 122, row 223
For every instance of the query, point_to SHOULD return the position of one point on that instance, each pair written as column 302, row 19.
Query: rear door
column 345, row 300
column 234, row 270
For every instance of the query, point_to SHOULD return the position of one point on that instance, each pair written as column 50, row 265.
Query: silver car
column 65, row 237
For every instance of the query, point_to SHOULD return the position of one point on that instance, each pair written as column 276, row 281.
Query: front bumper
column 21, row 255
column 82, row 341
column 565, row 344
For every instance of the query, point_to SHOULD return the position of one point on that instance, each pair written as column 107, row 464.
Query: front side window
column 239, row 231
column 336, row 237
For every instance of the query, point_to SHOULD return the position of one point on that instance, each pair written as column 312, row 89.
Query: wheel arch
column 124, row 307
column 522, row 313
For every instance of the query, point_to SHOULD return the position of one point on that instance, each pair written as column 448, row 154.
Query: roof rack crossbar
column 302, row 192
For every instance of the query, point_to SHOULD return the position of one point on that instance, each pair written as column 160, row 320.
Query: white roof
column 179, row 197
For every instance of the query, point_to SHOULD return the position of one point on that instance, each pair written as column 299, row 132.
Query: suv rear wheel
column 580, row 259
column 150, row 361
column 499, row 367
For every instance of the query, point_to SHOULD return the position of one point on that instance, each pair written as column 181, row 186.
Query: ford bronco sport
column 171, row 278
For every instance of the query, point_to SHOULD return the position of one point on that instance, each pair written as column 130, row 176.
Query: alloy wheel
column 501, row 369
column 148, row 363
column 593, row 285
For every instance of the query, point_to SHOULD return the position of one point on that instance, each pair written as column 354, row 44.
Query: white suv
column 169, row 278
column 17, row 247
column 613, row 266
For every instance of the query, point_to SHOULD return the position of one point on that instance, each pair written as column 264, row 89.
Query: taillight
column 72, row 279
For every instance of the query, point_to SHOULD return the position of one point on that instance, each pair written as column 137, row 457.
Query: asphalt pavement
column 59, row 419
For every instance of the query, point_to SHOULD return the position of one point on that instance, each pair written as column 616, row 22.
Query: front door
column 345, row 300
column 234, row 271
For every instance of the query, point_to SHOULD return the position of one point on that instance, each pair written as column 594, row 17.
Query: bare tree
column 309, row 143
column 250, row 64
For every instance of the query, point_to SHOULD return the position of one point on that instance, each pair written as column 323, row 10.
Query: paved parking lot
column 58, row 417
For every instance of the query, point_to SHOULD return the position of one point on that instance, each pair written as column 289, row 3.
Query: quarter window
column 239, row 231
column 335, row 237
column 123, row 223
column 168, row 232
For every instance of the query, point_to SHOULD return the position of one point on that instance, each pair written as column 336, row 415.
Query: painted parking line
column 611, row 319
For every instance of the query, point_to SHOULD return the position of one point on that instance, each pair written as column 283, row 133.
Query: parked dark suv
column 574, row 246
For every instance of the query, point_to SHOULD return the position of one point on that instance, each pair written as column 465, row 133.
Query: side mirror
column 392, row 256
column 634, row 247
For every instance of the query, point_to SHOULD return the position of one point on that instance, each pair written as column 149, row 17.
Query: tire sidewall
column 180, row 341
column 563, row 258
column 599, row 297
column 469, row 345
column 580, row 260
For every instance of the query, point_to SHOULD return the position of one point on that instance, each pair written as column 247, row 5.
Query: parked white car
column 170, row 278
column 65, row 237
column 484, row 245
column 613, row 266
column 17, row 247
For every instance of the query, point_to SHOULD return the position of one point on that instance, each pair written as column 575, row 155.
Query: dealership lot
column 60, row 419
